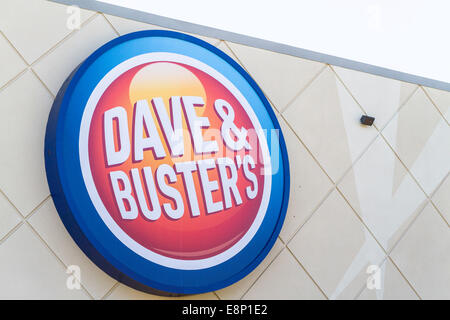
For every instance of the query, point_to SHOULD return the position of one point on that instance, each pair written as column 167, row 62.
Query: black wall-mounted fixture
column 366, row 120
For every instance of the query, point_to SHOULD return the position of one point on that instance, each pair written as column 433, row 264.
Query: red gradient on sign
column 188, row 237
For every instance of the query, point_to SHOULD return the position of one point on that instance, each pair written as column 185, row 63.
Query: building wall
column 360, row 196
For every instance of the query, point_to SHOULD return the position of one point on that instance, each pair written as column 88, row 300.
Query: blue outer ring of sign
column 71, row 197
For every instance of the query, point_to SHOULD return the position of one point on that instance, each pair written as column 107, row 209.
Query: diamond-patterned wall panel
column 394, row 286
column 387, row 200
column 422, row 255
column 35, row 26
column 359, row 197
column 325, row 117
column 336, row 248
column 421, row 138
column 372, row 92
column 24, row 108
column 69, row 54
column 279, row 76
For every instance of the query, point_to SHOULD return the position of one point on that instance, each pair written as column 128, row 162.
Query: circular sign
column 166, row 164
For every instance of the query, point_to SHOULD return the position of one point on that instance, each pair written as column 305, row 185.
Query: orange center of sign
column 171, row 163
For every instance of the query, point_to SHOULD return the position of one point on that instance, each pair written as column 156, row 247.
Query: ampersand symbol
column 226, row 113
